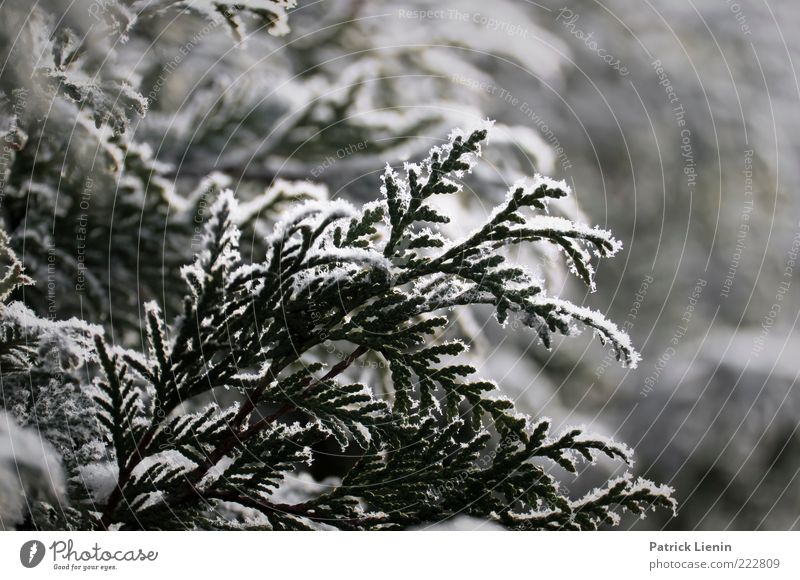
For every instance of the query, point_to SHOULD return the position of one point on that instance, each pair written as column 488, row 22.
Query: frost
column 30, row 469
column 99, row 478
column 69, row 339
column 170, row 458
column 278, row 192
column 274, row 338
column 215, row 472
column 303, row 487
column 273, row 12
column 604, row 328
column 461, row 524
column 633, row 487
column 314, row 211
column 350, row 255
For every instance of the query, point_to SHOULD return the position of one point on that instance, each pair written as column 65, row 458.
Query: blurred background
column 676, row 124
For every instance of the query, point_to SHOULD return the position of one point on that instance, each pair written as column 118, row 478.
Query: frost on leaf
column 271, row 14
column 225, row 404
column 375, row 281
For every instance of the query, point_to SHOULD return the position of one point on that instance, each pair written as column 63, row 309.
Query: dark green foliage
column 442, row 443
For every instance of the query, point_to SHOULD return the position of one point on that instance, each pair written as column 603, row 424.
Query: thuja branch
column 287, row 407
column 381, row 279
column 236, row 437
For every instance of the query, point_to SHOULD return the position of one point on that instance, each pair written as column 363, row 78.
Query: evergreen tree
column 203, row 408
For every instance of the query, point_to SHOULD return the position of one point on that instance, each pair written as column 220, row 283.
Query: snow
column 351, row 255
column 626, row 451
column 212, row 183
column 170, row 457
column 599, row 323
column 210, row 10
column 314, row 211
column 216, row 471
column 71, row 338
column 324, row 262
column 460, row 523
column 403, row 195
column 280, row 189
column 303, row 487
column 569, row 228
column 153, row 499
column 29, row 468
column 99, row 478
column 633, row 486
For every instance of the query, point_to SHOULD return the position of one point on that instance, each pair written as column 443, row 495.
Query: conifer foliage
column 378, row 280
column 214, row 421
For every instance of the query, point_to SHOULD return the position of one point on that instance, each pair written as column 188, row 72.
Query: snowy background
column 674, row 123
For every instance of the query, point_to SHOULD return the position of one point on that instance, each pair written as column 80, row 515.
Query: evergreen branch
column 383, row 286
